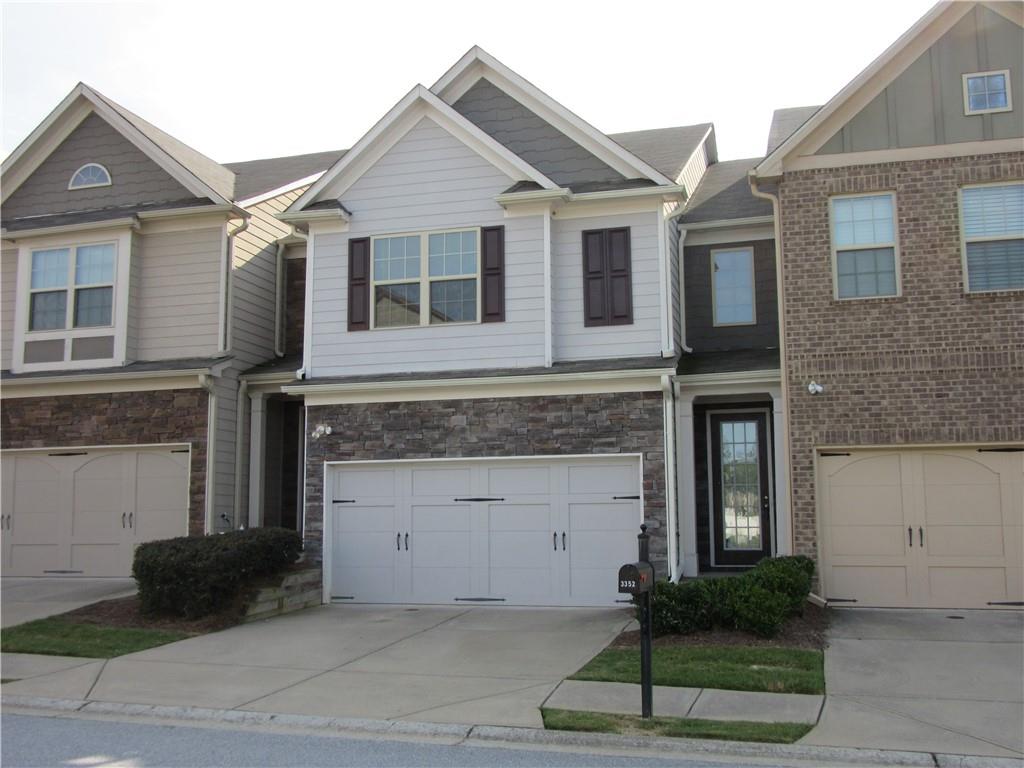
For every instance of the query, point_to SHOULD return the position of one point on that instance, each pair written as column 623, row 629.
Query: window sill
column 423, row 327
column 995, row 293
column 868, row 299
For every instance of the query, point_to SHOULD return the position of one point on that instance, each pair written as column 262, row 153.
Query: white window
column 865, row 258
column 90, row 175
column 426, row 278
column 986, row 92
column 72, row 288
column 732, row 286
column 992, row 219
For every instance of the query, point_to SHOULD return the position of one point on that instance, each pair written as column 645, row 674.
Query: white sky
column 248, row 79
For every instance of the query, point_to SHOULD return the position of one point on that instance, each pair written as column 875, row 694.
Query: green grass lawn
column 732, row 668
column 55, row 636
column 728, row 730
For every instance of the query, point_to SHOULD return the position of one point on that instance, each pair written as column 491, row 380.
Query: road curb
column 512, row 737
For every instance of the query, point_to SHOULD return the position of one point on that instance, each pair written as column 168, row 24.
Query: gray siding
column 254, row 280
column 179, row 294
column 701, row 333
column 134, row 283
column 428, row 180
column 672, row 240
column 526, row 134
column 925, row 104
column 134, row 177
column 224, row 468
column 571, row 340
column 8, row 292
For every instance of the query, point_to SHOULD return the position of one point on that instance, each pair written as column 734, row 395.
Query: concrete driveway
column 486, row 666
column 933, row 681
column 23, row 599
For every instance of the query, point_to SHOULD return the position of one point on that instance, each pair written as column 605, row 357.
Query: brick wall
column 526, row 426
column 932, row 366
column 119, row 418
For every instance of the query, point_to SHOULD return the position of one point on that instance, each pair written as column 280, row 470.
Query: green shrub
column 194, row 576
column 758, row 601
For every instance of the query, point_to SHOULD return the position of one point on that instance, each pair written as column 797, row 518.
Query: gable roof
column 193, row 170
column 477, row 63
column 871, row 81
column 666, row 149
column 724, row 193
column 254, row 178
column 416, row 104
column 784, row 122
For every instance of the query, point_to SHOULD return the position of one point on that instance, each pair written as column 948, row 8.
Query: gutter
column 781, row 300
column 164, row 374
column 206, row 382
column 749, row 221
column 126, row 221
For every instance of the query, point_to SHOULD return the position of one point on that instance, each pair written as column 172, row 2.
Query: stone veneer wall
column 112, row 419
column 932, row 366
column 629, row 422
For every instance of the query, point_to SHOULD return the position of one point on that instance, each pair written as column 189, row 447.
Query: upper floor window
column 90, row 175
column 732, row 286
column 993, row 236
column 986, row 92
column 72, row 288
column 865, row 258
column 426, row 278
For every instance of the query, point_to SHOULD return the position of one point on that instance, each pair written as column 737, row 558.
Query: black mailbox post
column 637, row 579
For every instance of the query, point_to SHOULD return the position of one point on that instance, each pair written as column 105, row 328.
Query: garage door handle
column 407, row 542
column 554, row 540
column 910, row 536
column 563, row 541
column 920, row 533
column 131, row 519
column 398, row 542
column 124, row 515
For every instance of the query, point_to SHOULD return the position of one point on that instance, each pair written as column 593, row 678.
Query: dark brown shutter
column 359, row 284
column 595, row 279
column 492, row 260
column 607, row 277
column 620, row 278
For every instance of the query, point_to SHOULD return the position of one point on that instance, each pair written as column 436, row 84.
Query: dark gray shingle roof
column 666, row 149
column 254, row 177
column 724, row 193
column 785, row 122
column 97, row 214
column 731, row 361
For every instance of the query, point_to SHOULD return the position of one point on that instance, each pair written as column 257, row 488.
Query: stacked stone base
column 295, row 591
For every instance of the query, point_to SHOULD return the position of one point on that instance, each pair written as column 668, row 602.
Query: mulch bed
column 806, row 631
column 125, row 612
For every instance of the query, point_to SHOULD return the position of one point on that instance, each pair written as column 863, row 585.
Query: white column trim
column 783, row 516
column 257, row 430
column 689, row 563
column 548, row 320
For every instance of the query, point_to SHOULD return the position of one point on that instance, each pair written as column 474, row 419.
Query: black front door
column 740, row 486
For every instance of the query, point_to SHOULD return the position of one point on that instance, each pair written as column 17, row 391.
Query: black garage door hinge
column 480, row 599
column 344, row 501
column 480, row 498
column 70, row 453
column 1012, row 603
column 823, row 453
column 631, row 498
column 1001, row 450
column 841, row 600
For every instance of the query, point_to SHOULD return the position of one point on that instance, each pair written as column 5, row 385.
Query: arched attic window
column 90, row 175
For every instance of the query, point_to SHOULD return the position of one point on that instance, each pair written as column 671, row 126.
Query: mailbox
column 636, row 578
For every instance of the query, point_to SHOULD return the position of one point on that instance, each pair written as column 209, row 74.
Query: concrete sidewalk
column 697, row 703
column 24, row 599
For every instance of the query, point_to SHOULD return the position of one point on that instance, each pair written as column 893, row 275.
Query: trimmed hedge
column 759, row 601
column 195, row 576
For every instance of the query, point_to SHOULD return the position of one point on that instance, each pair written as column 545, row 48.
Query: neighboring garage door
column 506, row 532
column 80, row 512
column 925, row 528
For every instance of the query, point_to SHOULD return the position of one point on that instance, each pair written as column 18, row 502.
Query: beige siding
column 178, row 304
column 8, row 291
column 694, row 169
column 925, row 104
column 254, row 279
column 134, row 282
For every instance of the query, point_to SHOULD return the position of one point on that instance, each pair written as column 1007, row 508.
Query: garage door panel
column 965, row 541
column 364, row 483
column 951, row 587
column 99, row 560
column 599, row 477
column 162, row 495
column 869, row 541
column 870, row 505
column 602, row 516
column 99, row 489
column 880, row 470
column 435, row 585
column 871, row 585
column 598, row 549
column 39, row 505
column 440, row 549
column 441, row 517
column 37, row 559
column 518, row 480
column 365, row 518
column 964, row 504
column 515, row 584
column 438, row 481
column 521, row 549
column 520, row 517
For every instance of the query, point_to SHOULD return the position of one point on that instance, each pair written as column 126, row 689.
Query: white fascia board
column 99, row 377
column 767, row 376
column 566, row 195
column 417, row 103
column 324, row 214
column 749, row 221
column 262, row 197
column 886, row 67
column 478, row 63
column 24, row 234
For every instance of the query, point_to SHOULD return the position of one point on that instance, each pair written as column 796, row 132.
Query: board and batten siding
column 571, row 340
column 428, row 180
column 254, row 279
column 8, row 294
column 179, row 294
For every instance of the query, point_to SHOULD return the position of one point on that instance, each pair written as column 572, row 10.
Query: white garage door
column 80, row 512
column 935, row 528
column 507, row 531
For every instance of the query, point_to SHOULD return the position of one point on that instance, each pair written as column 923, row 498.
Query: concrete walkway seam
column 512, row 736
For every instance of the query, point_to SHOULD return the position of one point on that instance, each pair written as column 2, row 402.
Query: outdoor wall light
column 815, row 388
column 320, row 431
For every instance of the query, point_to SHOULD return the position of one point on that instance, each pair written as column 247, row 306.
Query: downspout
column 207, row 383
column 671, row 510
column 224, row 344
column 243, row 393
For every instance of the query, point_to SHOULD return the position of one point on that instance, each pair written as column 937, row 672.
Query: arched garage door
column 81, row 512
